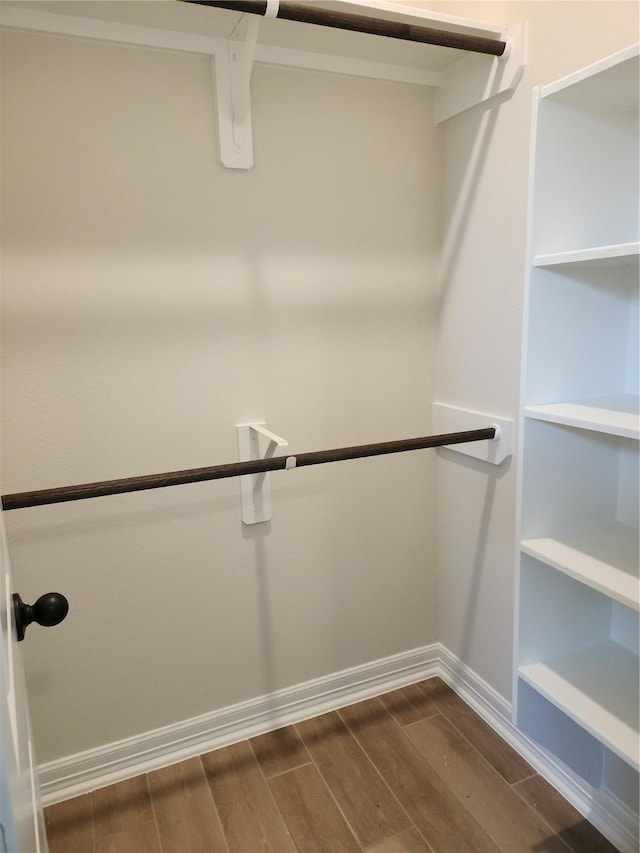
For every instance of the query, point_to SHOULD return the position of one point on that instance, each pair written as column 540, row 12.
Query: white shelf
column 598, row 688
column 603, row 557
column 617, row 254
column 616, row 414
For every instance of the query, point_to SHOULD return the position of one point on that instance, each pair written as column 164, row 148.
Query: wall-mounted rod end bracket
column 476, row 79
column 507, row 38
column 448, row 419
column 255, row 441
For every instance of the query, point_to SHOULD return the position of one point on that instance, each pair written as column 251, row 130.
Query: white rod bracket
column 448, row 419
column 232, row 76
column 255, row 489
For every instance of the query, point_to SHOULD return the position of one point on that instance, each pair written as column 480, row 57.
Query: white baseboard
column 95, row 768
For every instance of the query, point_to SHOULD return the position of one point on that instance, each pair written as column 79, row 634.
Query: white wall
column 151, row 301
column 486, row 161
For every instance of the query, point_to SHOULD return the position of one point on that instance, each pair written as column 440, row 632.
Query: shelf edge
column 528, row 547
column 596, row 254
column 610, row 422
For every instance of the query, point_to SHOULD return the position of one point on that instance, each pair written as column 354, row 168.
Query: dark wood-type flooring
column 412, row 771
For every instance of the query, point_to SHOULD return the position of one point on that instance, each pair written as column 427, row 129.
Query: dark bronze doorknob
column 50, row 609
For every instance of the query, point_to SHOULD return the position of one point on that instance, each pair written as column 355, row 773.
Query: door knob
column 50, row 609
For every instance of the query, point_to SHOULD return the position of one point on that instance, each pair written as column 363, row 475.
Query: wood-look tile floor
column 412, row 771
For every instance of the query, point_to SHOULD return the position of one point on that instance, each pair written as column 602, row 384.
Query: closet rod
column 21, row 500
column 308, row 14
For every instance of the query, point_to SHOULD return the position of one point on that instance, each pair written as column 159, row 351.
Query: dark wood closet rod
column 309, row 14
column 20, row 500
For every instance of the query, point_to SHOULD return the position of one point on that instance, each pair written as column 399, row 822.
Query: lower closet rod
column 21, row 500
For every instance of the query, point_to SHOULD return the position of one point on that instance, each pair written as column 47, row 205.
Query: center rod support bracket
column 255, row 489
column 488, row 68
column 232, row 79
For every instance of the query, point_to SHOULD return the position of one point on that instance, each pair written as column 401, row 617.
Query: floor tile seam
column 272, row 797
column 541, row 817
column 207, row 790
column 93, row 827
column 474, row 748
column 442, row 706
column 213, row 800
column 93, row 820
column 526, row 779
column 94, row 837
column 119, row 806
column 213, row 803
column 508, row 786
column 387, row 785
column 125, row 831
column 282, row 817
column 443, row 713
column 413, row 828
column 370, row 762
column 267, row 776
column 425, row 717
column 153, row 813
column 94, row 834
column 331, row 794
column 422, row 757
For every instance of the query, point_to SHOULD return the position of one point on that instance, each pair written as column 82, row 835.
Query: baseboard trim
column 96, row 768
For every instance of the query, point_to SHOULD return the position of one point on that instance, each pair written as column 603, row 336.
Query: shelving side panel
column 632, row 370
column 628, row 505
column 624, row 629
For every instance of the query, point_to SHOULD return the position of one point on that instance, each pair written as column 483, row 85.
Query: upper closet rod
column 20, row 500
column 359, row 23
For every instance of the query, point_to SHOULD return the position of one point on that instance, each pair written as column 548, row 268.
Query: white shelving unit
column 576, row 681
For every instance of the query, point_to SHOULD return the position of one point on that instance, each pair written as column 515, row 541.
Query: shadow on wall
column 258, row 533
column 480, row 540
column 480, row 137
